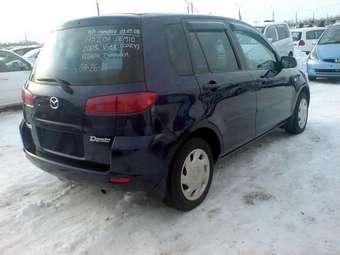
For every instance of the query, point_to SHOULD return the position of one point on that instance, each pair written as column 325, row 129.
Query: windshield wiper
column 64, row 84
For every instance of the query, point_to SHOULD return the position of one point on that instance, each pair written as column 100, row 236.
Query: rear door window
column 177, row 49
column 218, row 51
column 99, row 55
column 310, row 35
column 282, row 31
column 313, row 35
column 271, row 34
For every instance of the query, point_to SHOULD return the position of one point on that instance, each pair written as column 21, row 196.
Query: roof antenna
column 97, row 3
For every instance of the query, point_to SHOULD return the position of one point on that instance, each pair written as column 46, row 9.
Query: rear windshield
column 296, row 36
column 99, row 55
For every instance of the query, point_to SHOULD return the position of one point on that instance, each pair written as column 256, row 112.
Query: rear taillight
column 120, row 180
column 302, row 43
column 27, row 97
column 120, row 103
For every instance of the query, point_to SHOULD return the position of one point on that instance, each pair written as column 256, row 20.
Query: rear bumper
column 131, row 157
column 319, row 68
column 102, row 180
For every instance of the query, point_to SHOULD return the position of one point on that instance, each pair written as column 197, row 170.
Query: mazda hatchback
column 149, row 102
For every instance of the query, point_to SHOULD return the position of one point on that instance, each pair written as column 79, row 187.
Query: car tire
column 311, row 78
column 190, row 175
column 298, row 121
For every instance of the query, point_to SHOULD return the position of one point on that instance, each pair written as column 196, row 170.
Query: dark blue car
column 149, row 102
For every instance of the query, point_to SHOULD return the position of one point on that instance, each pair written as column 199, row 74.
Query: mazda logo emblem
column 54, row 103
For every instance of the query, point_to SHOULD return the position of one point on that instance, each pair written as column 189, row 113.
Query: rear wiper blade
column 64, row 84
column 55, row 80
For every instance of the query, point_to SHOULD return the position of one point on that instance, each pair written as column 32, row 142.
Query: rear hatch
column 78, row 75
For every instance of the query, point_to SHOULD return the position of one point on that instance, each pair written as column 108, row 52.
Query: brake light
column 120, row 103
column 120, row 180
column 302, row 43
column 27, row 97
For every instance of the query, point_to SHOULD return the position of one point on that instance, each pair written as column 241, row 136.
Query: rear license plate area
column 61, row 142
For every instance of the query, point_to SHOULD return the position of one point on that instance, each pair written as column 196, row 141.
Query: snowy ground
column 281, row 195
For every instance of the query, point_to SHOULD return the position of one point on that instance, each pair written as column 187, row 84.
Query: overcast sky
column 37, row 17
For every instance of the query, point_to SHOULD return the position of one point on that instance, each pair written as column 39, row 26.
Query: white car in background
column 21, row 50
column 306, row 38
column 279, row 35
column 32, row 55
column 14, row 72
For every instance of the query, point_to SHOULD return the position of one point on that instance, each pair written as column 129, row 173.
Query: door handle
column 3, row 79
column 212, row 86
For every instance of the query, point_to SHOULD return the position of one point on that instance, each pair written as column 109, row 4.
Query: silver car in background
column 279, row 36
column 22, row 50
column 14, row 72
column 324, row 59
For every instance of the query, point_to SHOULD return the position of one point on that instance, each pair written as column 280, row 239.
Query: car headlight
column 313, row 55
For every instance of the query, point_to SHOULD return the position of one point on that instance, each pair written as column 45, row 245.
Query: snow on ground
column 279, row 195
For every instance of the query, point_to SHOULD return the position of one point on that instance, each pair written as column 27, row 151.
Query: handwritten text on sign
column 103, row 48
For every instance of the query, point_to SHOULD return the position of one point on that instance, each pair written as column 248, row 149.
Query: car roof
column 269, row 23
column 302, row 29
column 136, row 18
column 336, row 25
column 13, row 53
column 10, row 51
column 25, row 47
column 32, row 52
column 4, row 50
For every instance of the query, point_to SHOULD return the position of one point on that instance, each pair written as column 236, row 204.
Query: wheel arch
column 205, row 130
column 302, row 89
column 211, row 137
column 305, row 89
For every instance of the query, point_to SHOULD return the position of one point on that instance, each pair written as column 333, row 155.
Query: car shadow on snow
column 114, row 203
column 243, row 171
column 129, row 202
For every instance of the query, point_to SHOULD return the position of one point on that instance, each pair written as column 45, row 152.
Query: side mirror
column 288, row 62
